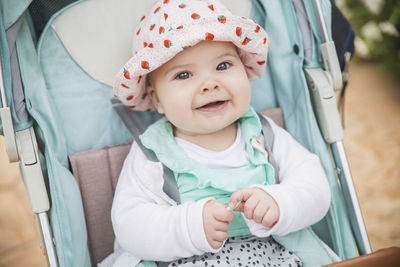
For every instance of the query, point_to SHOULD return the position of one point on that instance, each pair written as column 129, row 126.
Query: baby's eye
column 224, row 66
column 183, row 75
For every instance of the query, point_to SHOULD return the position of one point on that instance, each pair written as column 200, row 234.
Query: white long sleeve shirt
column 150, row 225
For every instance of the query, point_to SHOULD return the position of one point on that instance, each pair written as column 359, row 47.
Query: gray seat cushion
column 96, row 172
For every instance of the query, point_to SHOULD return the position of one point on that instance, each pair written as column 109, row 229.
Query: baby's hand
column 216, row 220
column 256, row 204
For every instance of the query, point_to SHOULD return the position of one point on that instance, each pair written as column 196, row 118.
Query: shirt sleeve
column 302, row 194
column 146, row 225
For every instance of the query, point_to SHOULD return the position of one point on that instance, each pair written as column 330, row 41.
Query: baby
column 193, row 62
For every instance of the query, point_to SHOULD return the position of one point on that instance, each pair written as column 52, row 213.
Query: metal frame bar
column 332, row 69
column 47, row 237
column 2, row 87
column 321, row 21
column 350, row 195
column 35, row 187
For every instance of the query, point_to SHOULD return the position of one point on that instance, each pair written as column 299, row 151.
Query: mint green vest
column 196, row 181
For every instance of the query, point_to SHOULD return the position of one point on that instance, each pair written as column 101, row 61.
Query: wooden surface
column 372, row 142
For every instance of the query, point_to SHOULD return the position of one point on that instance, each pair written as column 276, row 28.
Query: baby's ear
column 151, row 90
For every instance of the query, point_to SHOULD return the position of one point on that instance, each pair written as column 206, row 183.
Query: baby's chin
column 203, row 130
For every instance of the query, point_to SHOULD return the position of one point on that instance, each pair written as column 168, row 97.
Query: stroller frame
column 22, row 146
column 321, row 84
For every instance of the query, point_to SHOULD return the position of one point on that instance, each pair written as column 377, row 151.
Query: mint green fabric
column 283, row 85
column 66, row 214
column 73, row 113
column 10, row 11
column 307, row 246
column 196, row 181
column 146, row 264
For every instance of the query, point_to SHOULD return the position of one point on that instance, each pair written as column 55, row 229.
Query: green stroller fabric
column 72, row 113
column 12, row 17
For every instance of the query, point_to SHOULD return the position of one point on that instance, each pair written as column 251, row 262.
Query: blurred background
column 372, row 139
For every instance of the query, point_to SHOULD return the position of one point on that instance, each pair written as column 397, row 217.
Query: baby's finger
column 216, row 244
column 260, row 211
column 270, row 218
column 240, row 195
column 220, row 236
column 222, row 226
column 249, row 207
column 240, row 207
column 223, row 215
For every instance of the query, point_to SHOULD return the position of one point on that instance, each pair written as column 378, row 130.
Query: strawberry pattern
column 222, row 19
column 246, row 40
column 127, row 75
column 195, row 16
column 239, row 31
column 156, row 10
column 175, row 25
column 145, row 65
column 209, row 36
column 167, row 43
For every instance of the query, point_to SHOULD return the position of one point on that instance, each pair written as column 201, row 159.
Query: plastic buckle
column 331, row 64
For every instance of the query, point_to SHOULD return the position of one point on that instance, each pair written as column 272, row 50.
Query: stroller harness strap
column 136, row 127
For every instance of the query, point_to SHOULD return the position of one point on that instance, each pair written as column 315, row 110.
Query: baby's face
column 203, row 89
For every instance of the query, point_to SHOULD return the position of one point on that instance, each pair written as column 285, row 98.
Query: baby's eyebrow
column 173, row 68
column 228, row 54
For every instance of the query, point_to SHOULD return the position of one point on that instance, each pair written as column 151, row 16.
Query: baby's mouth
column 213, row 106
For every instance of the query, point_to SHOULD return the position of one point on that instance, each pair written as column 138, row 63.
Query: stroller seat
column 97, row 172
column 68, row 89
column 80, row 51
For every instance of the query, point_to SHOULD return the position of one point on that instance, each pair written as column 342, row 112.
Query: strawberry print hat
column 172, row 26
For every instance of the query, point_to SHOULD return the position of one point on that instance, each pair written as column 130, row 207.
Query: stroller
column 58, row 61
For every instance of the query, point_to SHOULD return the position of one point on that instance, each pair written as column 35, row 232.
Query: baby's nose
column 209, row 85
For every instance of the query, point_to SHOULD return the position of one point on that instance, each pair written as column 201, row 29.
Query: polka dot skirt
column 243, row 251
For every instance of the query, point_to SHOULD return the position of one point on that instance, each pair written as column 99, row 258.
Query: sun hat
column 170, row 27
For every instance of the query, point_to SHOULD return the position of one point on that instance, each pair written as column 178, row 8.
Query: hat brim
column 248, row 36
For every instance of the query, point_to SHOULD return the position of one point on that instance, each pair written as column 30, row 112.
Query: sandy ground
column 372, row 142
